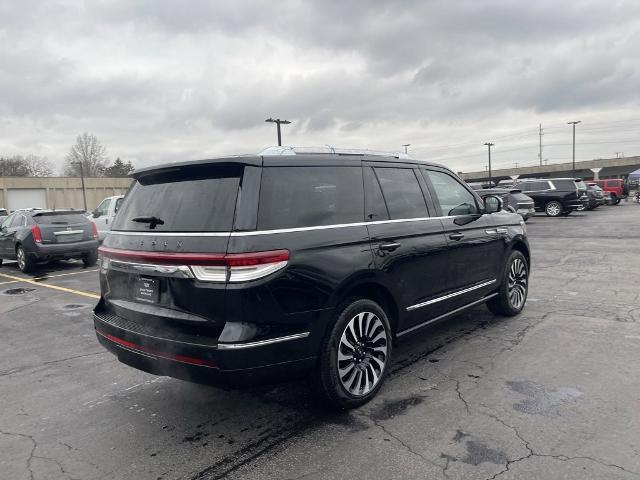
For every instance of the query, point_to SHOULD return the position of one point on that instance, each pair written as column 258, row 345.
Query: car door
column 101, row 217
column 4, row 235
column 476, row 245
column 410, row 251
column 9, row 234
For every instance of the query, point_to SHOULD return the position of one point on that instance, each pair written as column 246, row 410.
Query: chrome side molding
column 451, row 295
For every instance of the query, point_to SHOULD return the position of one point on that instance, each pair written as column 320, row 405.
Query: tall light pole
column 573, row 164
column 406, row 146
column 278, row 122
column 489, row 145
column 84, row 194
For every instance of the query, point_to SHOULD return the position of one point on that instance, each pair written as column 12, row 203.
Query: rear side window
column 612, row 183
column 565, row 185
column 18, row 221
column 402, row 193
column 374, row 206
column 294, row 197
column 60, row 219
column 192, row 199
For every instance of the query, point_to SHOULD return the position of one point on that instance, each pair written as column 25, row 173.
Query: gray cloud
column 159, row 79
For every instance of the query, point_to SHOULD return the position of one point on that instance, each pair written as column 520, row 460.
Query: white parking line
column 46, row 277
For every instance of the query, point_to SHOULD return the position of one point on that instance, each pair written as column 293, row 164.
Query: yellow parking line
column 53, row 287
column 47, row 277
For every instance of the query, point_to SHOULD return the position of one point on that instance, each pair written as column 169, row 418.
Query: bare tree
column 91, row 153
column 29, row 166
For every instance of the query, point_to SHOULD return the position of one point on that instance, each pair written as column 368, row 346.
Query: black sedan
column 34, row 236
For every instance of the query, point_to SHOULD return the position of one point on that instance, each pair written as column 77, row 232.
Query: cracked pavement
column 551, row 393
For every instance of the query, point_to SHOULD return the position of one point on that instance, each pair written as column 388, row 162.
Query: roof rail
column 329, row 150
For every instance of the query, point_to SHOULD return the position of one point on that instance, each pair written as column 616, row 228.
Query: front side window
column 295, row 197
column 402, row 193
column 7, row 221
column 103, row 208
column 453, row 198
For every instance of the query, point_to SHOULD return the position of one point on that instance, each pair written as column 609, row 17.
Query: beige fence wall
column 66, row 191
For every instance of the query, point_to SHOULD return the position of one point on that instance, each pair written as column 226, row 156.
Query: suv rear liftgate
column 168, row 283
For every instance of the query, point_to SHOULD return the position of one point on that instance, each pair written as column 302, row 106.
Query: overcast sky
column 160, row 80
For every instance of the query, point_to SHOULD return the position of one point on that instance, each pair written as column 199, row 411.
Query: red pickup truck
column 618, row 188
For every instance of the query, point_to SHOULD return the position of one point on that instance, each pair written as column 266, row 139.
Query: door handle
column 389, row 247
column 456, row 236
column 106, row 221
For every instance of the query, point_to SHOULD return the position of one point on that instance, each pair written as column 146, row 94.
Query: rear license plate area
column 62, row 238
column 147, row 290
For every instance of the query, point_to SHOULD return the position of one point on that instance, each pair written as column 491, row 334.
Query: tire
column 0, row 262
column 614, row 199
column 25, row 264
column 617, row 201
column 553, row 209
column 341, row 366
column 514, row 286
column 90, row 259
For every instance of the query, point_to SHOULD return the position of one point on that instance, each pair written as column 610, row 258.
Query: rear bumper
column 208, row 362
column 527, row 212
column 65, row 250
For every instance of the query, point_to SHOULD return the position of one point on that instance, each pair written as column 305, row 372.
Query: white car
column 105, row 213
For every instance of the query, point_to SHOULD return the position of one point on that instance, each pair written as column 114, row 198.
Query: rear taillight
column 209, row 267
column 37, row 235
column 94, row 231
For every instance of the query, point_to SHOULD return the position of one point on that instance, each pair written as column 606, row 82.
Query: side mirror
column 492, row 204
column 95, row 213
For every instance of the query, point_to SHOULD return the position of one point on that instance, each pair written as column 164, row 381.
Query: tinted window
column 612, row 183
column 292, row 197
column 375, row 208
column 193, row 199
column 402, row 193
column 18, row 221
column 453, row 198
column 565, row 185
column 60, row 218
column 7, row 221
column 118, row 204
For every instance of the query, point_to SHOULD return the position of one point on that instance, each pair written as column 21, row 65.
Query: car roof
column 352, row 158
column 40, row 211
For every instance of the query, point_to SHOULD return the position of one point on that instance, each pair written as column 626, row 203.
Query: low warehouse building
column 58, row 192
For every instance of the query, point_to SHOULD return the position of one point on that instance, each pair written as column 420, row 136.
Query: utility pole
column 516, row 164
column 489, row 145
column 540, row 150
column 84, row 194
column 406, row 146
column 278, row 122
column 573, row 164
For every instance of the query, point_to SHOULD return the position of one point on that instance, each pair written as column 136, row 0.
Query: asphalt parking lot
column 552, row 393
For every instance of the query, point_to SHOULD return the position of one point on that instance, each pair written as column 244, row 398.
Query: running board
column 445, row 315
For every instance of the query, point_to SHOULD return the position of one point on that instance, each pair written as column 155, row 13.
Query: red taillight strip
column 168, row 356
column 37, row 235
column 206, row 259
column 165, row 258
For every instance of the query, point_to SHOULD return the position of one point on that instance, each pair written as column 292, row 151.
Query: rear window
column 293, row 197
column 581, row 185
column 192, row 199
column 612, row 183
column 54, row 218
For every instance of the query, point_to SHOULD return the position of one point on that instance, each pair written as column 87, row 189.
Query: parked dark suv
column 555, row 196
column 32, row 236
column 255, row 268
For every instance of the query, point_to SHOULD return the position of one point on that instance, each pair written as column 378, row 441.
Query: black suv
column 555, row 196
column 254, row 268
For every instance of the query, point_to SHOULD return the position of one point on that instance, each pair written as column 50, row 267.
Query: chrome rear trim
column 451, row 295
column 69, row 232
column 177, row 271
column 261, row 343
